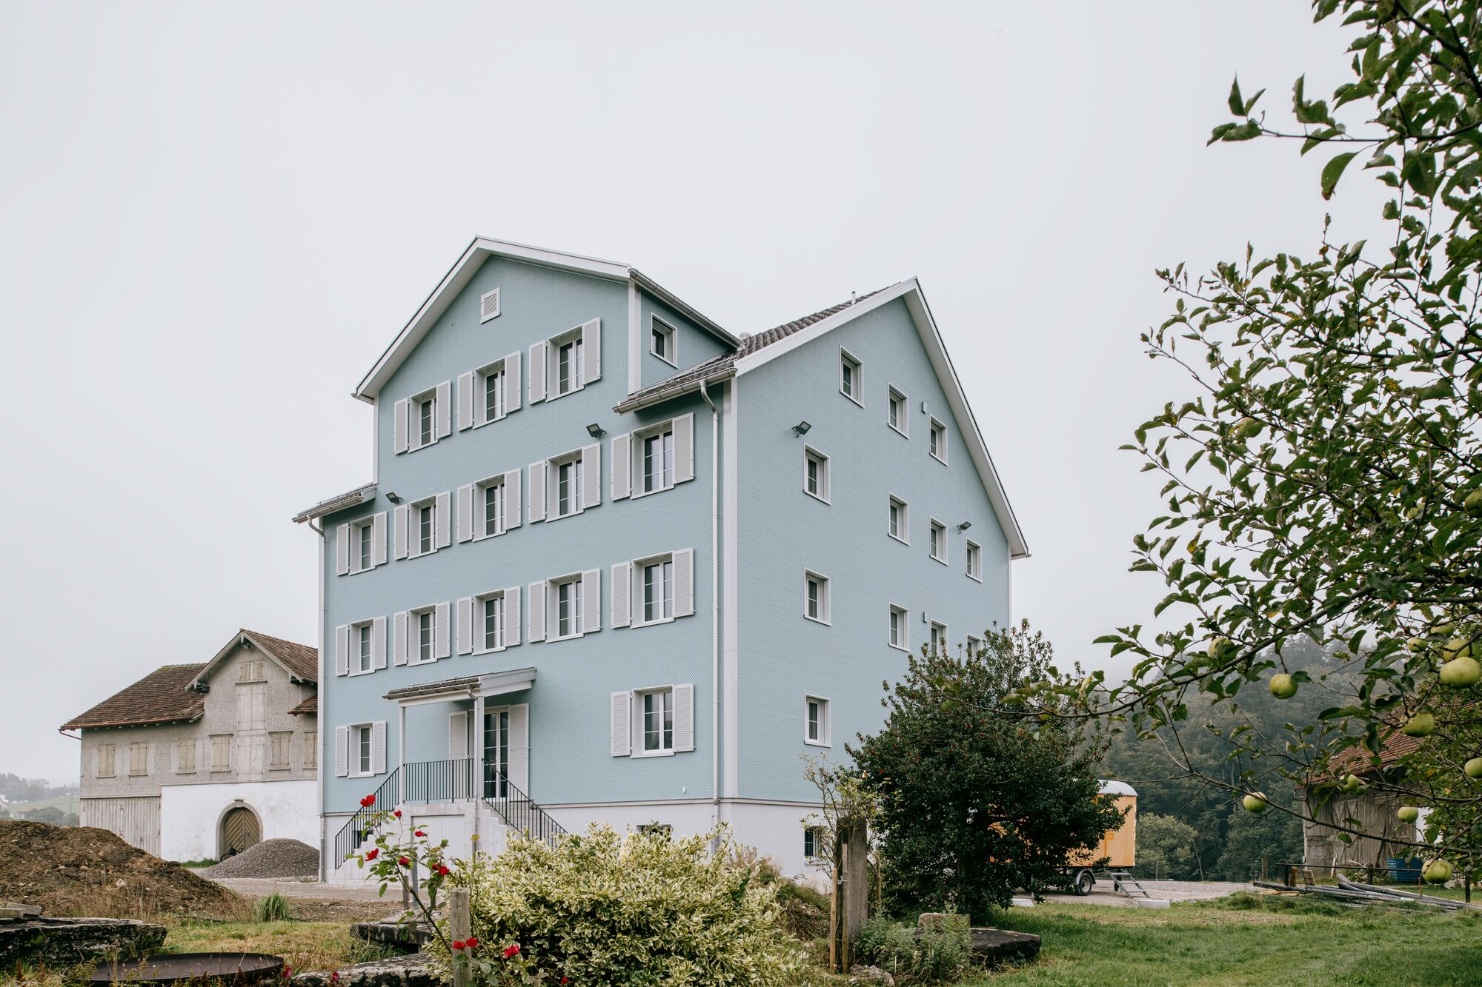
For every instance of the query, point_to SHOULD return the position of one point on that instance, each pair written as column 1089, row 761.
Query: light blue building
column 619, row 564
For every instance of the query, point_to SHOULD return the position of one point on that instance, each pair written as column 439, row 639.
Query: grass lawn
column 303, row 945
column 1245, row 940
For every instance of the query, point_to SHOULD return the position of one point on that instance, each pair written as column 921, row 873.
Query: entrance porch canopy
column 464, row 687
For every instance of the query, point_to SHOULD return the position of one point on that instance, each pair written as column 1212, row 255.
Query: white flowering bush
column 633, row 909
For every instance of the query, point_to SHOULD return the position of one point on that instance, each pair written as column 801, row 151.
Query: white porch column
column 401, row 754
column 478, row 763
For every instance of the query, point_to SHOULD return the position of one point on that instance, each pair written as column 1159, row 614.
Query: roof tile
column 159, row 697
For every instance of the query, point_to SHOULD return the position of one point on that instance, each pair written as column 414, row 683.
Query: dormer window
column 661, row 342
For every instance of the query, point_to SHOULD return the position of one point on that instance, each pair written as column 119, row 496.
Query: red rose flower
column 396, row 813
column 458, row 944
column 442, row 870
column 373, row 854
column 418, row 832
column 472, row 942
column 368, row 801
column 403, row 861
column 511, row 950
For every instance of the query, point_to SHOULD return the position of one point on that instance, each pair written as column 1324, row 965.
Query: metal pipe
column 714, row 607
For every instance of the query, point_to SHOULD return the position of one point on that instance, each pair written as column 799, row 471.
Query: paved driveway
column 1166, row 890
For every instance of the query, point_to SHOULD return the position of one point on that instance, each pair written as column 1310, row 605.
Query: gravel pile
column 270, row 858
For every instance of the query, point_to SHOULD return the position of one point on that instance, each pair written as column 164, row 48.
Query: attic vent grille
column 488, row 305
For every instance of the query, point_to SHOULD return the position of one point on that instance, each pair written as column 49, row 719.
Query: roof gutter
column 650, row 398
column 680, row 305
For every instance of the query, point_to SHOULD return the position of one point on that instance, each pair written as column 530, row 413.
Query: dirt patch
column 85, row 871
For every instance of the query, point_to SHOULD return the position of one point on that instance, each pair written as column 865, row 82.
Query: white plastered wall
column 190, row 814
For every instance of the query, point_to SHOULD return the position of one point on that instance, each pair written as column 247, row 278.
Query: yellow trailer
column 1118, row 845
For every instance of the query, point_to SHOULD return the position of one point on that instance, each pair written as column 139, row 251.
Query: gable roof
column 300, row 661
column 339, row 502
column 162, row 696
column 463, row 270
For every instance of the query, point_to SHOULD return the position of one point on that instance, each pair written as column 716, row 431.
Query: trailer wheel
column 1084, row 882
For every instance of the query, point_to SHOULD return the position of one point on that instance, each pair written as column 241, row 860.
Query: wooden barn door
column 239, row 830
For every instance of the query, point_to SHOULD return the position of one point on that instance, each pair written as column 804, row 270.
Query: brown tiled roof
column 338, row 502
column 309, row 706
column 300, row 659
column 1359, row 760
column 159, row 697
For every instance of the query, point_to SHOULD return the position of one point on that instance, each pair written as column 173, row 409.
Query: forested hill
column 14, row 788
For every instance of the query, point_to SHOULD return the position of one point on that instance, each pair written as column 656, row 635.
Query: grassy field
column 1246, row 941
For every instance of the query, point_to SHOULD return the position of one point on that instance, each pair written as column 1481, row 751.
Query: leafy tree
column 974, row 803
column 1165, row 847
column 1326, row 482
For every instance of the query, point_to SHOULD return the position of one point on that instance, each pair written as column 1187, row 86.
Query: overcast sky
column 214, row 217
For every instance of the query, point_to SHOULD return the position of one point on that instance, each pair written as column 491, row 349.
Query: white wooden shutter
column 684, row 718
column 399, row 637
column 444, row 519
column 378, row 539
column 458, row 735
column 402, row 513
column 591, row 601
column 465, row 401
column 684, row 582
column 536, row 623
column 399, row 412
column 621, row 724
column 342, row 751
column 465, row 512
column 537, row 491
column 512, row 616
column 519, row 747
column 378, row 747
column 342, row 549
column 622, row 594
column 465, row 625
column 591, row 473
column 512, row 481
column 537, row 372
column 591, row 351
column 342, row 650
column 444, row 409
column 441, row 646
column 512, row 382
column 378, row 643
column 622, row 466
column 684, row 448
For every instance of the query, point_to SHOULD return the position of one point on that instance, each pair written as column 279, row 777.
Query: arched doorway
column 240, row 829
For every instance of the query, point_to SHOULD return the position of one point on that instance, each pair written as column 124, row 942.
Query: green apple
column 1457, row 647
column 1416, row 644
column 1461, row 672
column 1419, row 725
column 1353, row 784
column 1246, row 428
column 1473, row 504
column 1408, row 813
column 1216, row 645
column 1437, row 872
column 1283, row 686
column 1473, row 768
column 1255, row 802
column 1443, row 628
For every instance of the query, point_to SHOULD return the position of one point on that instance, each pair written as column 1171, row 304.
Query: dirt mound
column 270, row 858
column 87, row 871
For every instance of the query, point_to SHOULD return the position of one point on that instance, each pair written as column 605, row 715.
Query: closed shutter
column 465, row 512
column 518, row 771
column 457, row 735
column 399, row 638
column 378, row 539
column 378, row 643
column 622, row 466
column 378, row 747
column 512, row 616
column 444, row 519
column 684, row 448
column 465, row 401
column 342, row 549
column 684, row 582
column 512, row 481
column 591, row 351
column 402, row 514
column 465, row 626
column 537, row 491
column 512, row 382
column 591, row 601
column 441, row 646
column 341, row 751
column 342, row 650
column 536, row 624
column 621, row 724
column 622, row 594
column 537, row 372
column 399, row 412
column 591, row 473
column 444, row 409
column 684, row 718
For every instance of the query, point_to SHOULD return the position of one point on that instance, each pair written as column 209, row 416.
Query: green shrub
column 637, row 909
column 938, row 954
column 274, row 908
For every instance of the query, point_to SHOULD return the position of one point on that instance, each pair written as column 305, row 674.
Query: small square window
column 938, row 444
column 851, row 377
column 938, row 541
column 974, row 645
column 975, row 561
column 898, row 637
column 815, row 723
column 898, row 523
column 938, row 638
column 815, row 597
column 661, row 342
column 896, row 416
column 815, row 473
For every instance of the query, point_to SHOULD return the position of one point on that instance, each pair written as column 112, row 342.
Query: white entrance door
column 506, row 750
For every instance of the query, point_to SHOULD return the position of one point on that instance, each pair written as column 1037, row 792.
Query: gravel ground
column 1166, row 890
column 311, row 901
column 270, row 858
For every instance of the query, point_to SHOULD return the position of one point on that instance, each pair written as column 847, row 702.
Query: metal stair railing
column 354, row 832
column 517, row 809
column 439, row 781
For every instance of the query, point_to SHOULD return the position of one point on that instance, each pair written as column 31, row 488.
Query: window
column 426, row 420
column 898, row 521
column 938, row 541
column 489, row 393
column 816, row 726
column 361, row 545
column 364, row 553
column 252, row 671
column 896, row 416
column 815, row 473
column 975, row 561
column 564, row 485
column 422, row 419
column 654, row 458
column 364, row 656
column 279, row 745
column 311, row 749
column 492, row 494
column 185, row 757
column 361, row 748
column 568, row 487
column 812, row 842
column 489, row 622
column 850, row 377
column 566, row 363
column 938, row 637
column 974, row 645
column 898, row 629
column 106, row 761
column 656, row 829
column 568, row 607
column 654, row 590
column 422, row 527
column 658, row 591
column 426, row 514
column 658, row 721
column 491, row 616
column 423, row 628
column 661, row 342
column 815, row 597
column 221, row 752
column 139, row 758
column 653, row 722
column 495, row 385
column 938, row 444
column 564, row 607
column 656, row 452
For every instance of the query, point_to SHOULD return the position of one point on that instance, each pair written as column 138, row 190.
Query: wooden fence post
column 460, row 926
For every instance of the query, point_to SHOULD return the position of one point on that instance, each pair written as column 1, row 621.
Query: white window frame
column 488, row 306
column 938, row 545
column 414, row 526
column 825, row 725
column 414, row 635
column 816, row 832
column 936, row 443
column 853, row 391
column 362, row 663
column 577, row 604
column 810, row 456
column 481, row 392
column 553, row 479
column 974, row 560
column 810, row 577
column 415, row 440
column 353, row 747
column 659, row 328
column 639, row 474
column 640, row 732
column 902, row 423
column 974, row 645
column 480, row 505
column 936, row 638
column 480, row 633
column 640, row 590
column 362, row 533
column 902, row 533
column 904, row 643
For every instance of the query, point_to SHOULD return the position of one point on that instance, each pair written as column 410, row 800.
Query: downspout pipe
column 714, row 607
column 318, row 529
